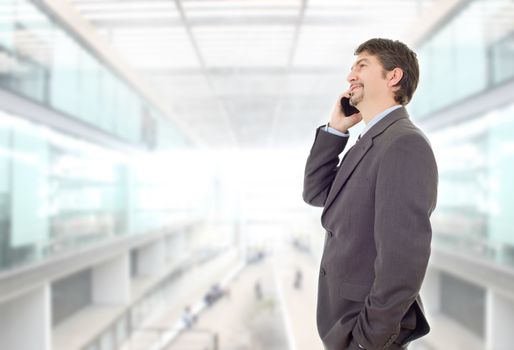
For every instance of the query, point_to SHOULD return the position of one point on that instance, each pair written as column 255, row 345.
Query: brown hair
column 395, row 54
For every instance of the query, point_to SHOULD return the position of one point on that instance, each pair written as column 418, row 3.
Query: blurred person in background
column 188, row 318
column 377, row 206
column 298, row 278
column 257, row 289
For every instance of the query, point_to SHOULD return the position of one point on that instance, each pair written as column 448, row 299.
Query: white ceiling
column 248, row 73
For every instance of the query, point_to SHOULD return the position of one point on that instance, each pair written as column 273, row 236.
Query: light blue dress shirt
column 372, row 122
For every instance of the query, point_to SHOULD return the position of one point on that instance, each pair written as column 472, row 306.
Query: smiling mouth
column 352, row 91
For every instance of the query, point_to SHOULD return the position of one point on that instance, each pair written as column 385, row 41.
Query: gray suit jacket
column 377, row 206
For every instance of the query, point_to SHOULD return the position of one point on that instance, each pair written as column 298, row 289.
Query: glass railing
column 470, row 53
column 42, row 61
column 476, row 168
column 59, row 193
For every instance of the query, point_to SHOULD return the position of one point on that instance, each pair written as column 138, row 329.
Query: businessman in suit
column 377, row 206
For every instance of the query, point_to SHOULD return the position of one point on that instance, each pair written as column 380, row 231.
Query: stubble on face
column 357, row 97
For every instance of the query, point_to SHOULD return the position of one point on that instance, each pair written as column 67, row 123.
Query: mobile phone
column 348, row 109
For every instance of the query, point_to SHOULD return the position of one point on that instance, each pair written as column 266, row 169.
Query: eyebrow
column 359, row 61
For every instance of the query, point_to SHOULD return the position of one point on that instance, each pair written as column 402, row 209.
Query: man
column 377, row 204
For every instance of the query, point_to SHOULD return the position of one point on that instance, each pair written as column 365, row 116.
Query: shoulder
column 406, row 155
column 405, row 147
column 403, row 134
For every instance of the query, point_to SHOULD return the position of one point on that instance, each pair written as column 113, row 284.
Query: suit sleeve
column 321, row 167
column 405, row 196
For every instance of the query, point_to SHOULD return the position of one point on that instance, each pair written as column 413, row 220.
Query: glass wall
column 476, row 168
column 472, row 52
column 58, row 193
column 42, row 61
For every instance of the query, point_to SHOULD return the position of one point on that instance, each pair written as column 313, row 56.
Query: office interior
column 152, row 157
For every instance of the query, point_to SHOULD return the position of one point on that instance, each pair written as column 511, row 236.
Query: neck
column 369, row 112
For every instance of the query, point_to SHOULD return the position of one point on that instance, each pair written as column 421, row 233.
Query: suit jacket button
column 323, row 272
column 330, row 234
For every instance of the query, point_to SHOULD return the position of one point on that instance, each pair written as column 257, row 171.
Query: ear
column 394, row 78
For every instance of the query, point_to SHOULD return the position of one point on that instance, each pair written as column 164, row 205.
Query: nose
column 351, row 77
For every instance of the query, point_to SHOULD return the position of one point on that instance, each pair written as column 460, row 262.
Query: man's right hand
column 338, row 120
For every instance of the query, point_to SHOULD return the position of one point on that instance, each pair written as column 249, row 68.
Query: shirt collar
column 378, row 118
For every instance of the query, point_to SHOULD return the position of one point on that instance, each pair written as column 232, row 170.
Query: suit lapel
column 355, row 154
column 352, row 158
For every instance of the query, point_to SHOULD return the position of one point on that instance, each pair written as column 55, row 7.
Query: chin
column 355, row 102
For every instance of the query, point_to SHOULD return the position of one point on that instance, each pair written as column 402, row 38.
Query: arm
column 321, row 167
column 405, row 196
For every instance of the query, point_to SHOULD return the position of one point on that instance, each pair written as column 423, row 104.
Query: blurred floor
column 189, row 289
column 240, row 320
column 284, row 318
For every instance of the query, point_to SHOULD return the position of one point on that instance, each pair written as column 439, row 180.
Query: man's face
column 366, row 79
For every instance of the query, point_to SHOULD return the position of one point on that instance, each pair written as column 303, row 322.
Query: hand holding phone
column 343, row 115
